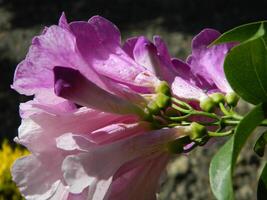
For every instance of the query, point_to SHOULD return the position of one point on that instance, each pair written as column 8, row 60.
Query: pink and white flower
column 86, row 126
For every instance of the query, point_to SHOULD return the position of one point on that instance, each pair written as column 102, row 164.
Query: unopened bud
column 198, row 131
column 217, row 97
column 232, row 99
column 147, row 115
column 153, row 107
column 162, row 100
column 163, row 88
column 207, row 104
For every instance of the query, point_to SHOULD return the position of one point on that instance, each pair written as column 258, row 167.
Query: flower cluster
column 106, row 117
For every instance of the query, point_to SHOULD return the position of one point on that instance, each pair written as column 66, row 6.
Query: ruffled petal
column 95, row 166
column 56, row 47
column 184, row 71
column 168, row 71
column 118, row 131
column 129, row 45
column 105, row 30
column 107, row 57
column 145, row 54
column 81, row 196
column 38, row 179
column 38, row 132
column 204, row 38
column 140, row 182
column 208, row 61
column 185, row 90
column 63, row 23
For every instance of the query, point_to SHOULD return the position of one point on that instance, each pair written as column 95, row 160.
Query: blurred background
column 175, row 20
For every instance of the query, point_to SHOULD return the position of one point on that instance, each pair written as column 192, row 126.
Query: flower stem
column 206, row 114
column 181, row 109
column 222, row 134
column 182, row 103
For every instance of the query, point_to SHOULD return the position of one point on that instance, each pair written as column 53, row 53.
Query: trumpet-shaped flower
column 93, row 127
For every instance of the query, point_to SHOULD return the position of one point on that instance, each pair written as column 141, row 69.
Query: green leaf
column 243, row 33
column 260, row 144
column 220, row 172
column 262, row 185
column 222, row 164
column 246, row 70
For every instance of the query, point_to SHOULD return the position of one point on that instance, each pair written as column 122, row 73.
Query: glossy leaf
column 262, row 185
column 260, row 144
column 243, row 33
column 246, row 70
column 223, row 162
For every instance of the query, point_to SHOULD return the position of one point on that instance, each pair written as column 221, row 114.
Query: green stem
column 180, row 118
column 236, row 116
column 224, row 110
column 218, row 134
column 176, row 124
column 232, row 114
column 181, row 103
column 181, row 109
column 206, row 114
column 230, row 122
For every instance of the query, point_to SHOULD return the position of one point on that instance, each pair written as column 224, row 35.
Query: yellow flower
column 8, row 155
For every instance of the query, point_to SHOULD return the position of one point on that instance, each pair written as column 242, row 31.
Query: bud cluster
column 160, row 100
column 164, row 111
column 209, row 103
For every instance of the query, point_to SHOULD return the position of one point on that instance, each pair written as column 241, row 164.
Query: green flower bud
column 217, row 97
column 232, row 99
column 198, row 131
column 207, row 104
column 162, row 100
column 153, row 107
column 163, row 88
column 147, row 115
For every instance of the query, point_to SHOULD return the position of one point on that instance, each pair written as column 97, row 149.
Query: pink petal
column 168, row 70
column 185, row 72
column 129, row 45
column 63, row 23
column 204, row 38
column 208, row 61
column 37, row 178
column 185, row 90
column 72, row 85
column 145, row 54
column 100, row 163
column 141, row 182
column 105, row 29
column 118, row 131
column 107, row 57
column 38, row 132
column 62, row 193
column 56, row 47
column 81, row 196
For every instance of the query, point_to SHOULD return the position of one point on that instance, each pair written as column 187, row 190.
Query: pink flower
column 85, row 127
column 208, row 61
column 91, row 125
column 202, row 74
